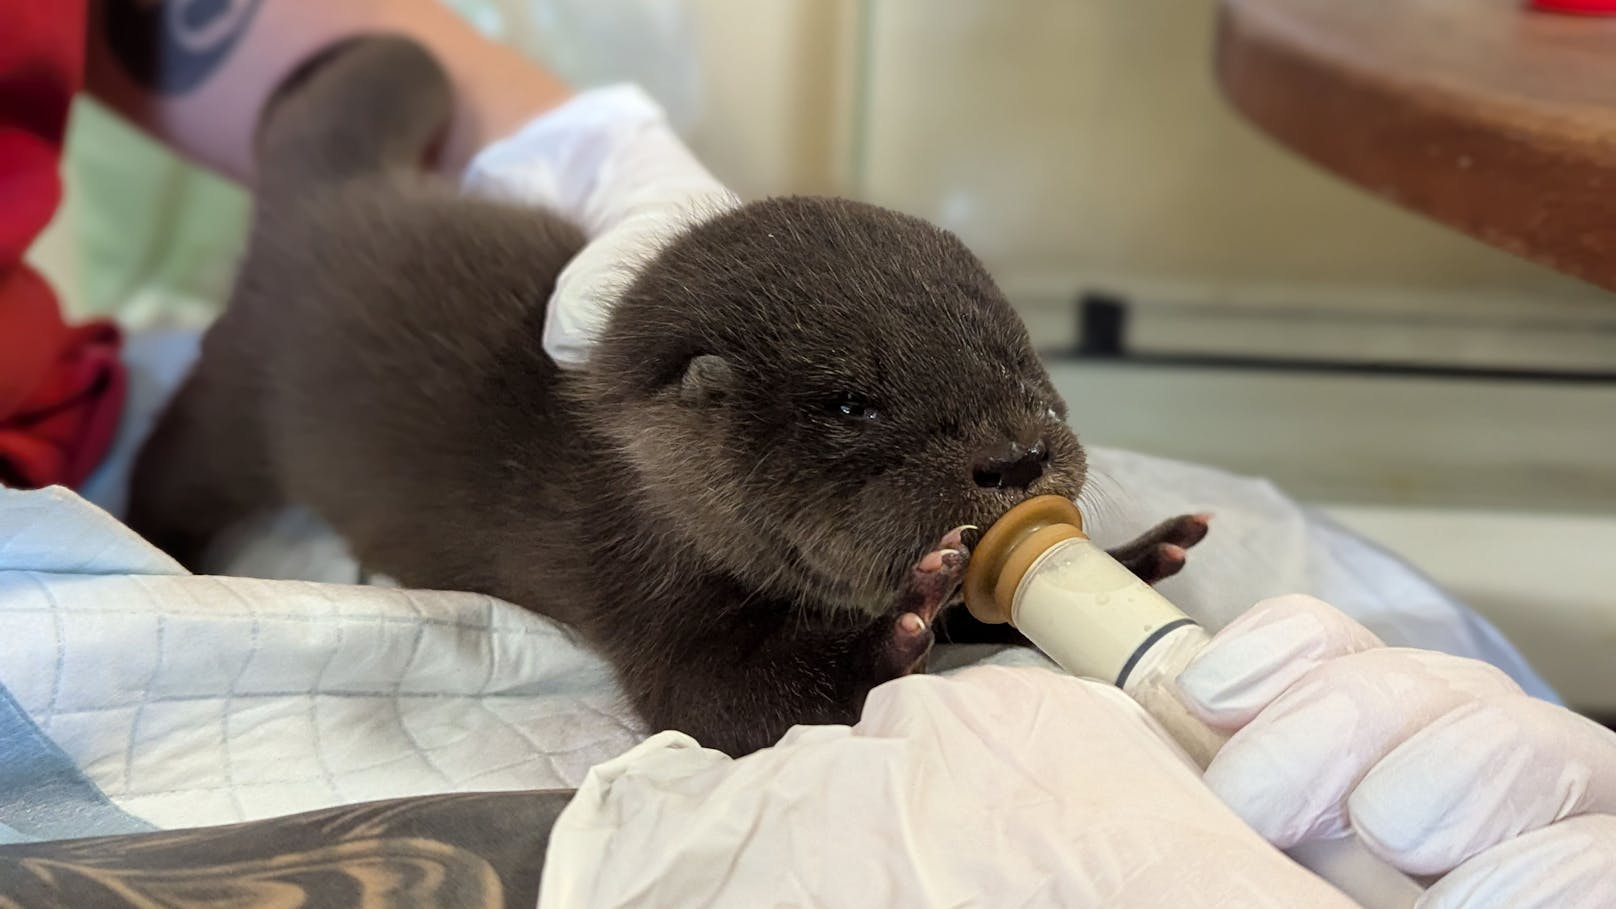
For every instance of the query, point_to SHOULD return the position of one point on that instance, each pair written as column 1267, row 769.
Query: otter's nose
column 1011, row 466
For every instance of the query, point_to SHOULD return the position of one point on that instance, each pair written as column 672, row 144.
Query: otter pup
column 744, row 501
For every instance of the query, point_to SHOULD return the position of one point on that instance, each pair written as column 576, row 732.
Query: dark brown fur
column 694, row 502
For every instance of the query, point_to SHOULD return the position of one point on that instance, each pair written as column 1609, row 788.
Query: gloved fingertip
column 1394, row 837
column 1406, row 810
column 1258, row 656
column 1571, row 865
column 1238, row 784
column 1478, row 776
column 1287, row 777
column 1440, row 796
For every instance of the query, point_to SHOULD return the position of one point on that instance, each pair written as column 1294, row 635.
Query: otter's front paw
column 1159, row 552
column 933, row 581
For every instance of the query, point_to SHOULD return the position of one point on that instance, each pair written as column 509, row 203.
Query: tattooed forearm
column 475, row 850
column 196, row 74
column 173, row 46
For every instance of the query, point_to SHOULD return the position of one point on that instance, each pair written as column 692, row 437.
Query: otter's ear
column 707, row 380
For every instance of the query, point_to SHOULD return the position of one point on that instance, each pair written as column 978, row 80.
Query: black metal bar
column 1102, row 326
column 1346, row 367
column 1102, row 339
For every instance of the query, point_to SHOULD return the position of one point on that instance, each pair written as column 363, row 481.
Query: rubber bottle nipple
column 1009, row 547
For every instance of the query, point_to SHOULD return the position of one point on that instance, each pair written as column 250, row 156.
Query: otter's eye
column 854, row 406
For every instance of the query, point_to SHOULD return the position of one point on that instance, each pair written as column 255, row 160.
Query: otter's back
column 394, row 325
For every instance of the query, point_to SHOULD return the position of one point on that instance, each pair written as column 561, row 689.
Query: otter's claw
column 1159, row 552
column 933, row 582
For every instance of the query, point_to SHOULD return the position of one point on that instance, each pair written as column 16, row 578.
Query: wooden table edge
column 1540, row 184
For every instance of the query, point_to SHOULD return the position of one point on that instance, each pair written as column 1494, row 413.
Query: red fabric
column 1585, row 7
column 61, row 388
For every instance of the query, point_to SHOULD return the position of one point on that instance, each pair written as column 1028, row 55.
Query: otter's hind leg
column 204, row 467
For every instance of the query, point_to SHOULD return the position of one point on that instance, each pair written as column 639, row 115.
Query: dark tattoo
column 173, row 46
column 472, row 850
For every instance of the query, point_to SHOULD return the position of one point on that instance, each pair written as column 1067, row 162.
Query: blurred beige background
column 1080, row 145
column 1072, row 143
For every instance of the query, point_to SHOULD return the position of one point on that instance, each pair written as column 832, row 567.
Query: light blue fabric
column 43, row 794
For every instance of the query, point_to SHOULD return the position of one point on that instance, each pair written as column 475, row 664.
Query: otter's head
column 813, row 391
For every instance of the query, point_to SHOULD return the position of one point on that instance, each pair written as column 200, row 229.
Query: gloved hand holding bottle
column 1440, row 765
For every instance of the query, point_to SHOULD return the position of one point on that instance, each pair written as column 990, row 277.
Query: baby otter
column 749, row 500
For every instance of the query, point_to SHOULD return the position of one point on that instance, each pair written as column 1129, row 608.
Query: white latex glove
column 993, row 787
column 1440, row 764
column 608, row 161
